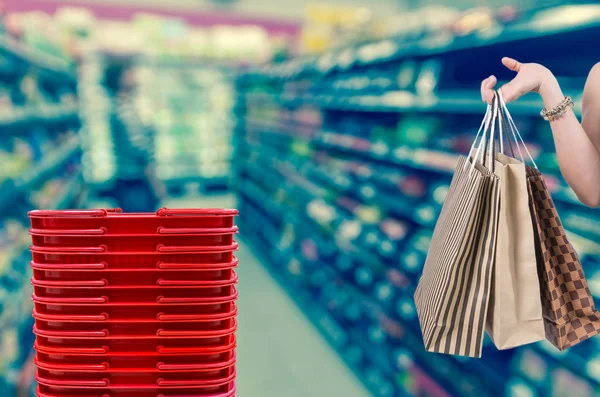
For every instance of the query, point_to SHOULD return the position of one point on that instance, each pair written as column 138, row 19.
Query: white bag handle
column 487, row 125
column 513, row 129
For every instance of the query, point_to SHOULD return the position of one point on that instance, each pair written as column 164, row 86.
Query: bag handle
column 513, row 129
column 485, row 140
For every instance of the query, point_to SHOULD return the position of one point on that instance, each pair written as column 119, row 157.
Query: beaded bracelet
column 558, row 111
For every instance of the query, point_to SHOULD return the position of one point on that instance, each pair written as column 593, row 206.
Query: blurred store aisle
column 280, row 353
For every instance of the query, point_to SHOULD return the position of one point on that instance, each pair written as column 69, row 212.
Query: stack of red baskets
column 136, row 305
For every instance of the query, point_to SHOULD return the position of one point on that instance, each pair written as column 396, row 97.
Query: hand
column 531, row 77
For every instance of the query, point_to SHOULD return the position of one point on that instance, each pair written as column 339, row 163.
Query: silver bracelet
column 558, row 111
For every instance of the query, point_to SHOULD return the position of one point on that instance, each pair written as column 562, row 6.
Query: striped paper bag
column 453, row 293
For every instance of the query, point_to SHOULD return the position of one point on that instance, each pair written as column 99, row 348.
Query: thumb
column 512, row 64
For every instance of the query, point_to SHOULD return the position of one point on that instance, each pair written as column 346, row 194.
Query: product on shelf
column 380, row 125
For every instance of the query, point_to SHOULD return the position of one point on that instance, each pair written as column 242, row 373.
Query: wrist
column 550, row 91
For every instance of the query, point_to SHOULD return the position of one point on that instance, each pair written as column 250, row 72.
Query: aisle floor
column 280, row 353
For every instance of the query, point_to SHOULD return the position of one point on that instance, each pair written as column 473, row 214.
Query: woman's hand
column 531, row 77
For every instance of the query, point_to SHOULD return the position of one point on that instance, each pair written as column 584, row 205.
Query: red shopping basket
column 73, row 273
column 137, row 361
column 190, row 308
column 205, row 370
column 134, row 304
column 116, row 222
column 210, row 381
column 46, row 391
column 164, row 257
column 123, row 242
column 101, row 292
column 115, row 282
column 143, row 346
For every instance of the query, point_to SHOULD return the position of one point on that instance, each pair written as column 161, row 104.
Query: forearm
column 577, row 155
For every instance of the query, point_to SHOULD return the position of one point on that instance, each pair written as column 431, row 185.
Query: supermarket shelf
column 318, row 313
column 372, row 308
column 543, row 28
column 36, row 57
column 466, row 102
column 34, row 115
column 70, row 192
column 50, row 164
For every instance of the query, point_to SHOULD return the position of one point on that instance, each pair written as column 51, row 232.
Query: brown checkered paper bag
column 570, row 316
column 567, row 305
column 453, row 293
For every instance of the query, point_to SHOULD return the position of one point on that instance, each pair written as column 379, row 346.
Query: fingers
column 512, row 64
column 514, row 89
column 487, row 89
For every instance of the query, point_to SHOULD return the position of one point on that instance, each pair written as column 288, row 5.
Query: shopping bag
column 453, row 292
column 515, row 309
column 569, row 313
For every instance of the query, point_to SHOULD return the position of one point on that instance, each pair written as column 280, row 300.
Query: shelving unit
column 343, row 162
column 188, row 106
column 41, row 157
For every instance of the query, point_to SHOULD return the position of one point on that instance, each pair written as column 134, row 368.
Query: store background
column 333, row 127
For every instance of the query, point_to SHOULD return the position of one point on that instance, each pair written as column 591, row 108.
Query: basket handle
column 74, row 213
column 73, row 317
column 72, row 383
column 69, row 266
column 198, row 266
column 194, row 383
column 181, row 249
column 188, row 283
column 84, row 250
column 70, row 350
column 66, row 367
column 78, row 232
column 74, row 334
column 208, row 334
column 196, row 230
column 192, row 367
column 195, row 212
column 42, row 299
column 192, row 350
column 39, row 393
column 232, row 297
column 197, row 317
column 89, row 283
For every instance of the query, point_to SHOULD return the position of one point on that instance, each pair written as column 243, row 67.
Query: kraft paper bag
column 515, row 308
column 453, row 293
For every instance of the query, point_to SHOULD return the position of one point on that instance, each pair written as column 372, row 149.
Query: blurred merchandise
column 344, row 160
column 341, row 158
